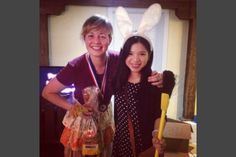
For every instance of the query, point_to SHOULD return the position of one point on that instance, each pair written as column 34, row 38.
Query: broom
column 164, row 106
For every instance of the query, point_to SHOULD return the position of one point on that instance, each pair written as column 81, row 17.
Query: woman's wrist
column 155, row 133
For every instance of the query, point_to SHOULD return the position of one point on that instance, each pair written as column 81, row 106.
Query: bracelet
column 154, row 133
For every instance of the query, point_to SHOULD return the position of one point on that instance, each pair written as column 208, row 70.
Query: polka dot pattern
column 125, row 106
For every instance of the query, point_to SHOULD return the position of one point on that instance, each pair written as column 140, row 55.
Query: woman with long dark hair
column 137, row 102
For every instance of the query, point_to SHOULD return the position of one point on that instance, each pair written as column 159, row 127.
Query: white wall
column 64, row 33
column 65, row 44
column 176, row 62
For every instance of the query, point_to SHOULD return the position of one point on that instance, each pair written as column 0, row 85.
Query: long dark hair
column 123, row 71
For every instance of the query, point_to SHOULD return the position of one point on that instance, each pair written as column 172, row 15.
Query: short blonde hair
column 96, row 22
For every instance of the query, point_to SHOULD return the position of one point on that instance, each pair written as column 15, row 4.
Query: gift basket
column 82, row 132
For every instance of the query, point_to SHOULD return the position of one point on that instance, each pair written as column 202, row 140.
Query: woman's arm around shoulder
column 168, row 82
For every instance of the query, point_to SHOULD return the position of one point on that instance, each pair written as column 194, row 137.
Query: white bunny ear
column 124, row 23
column 150, row 18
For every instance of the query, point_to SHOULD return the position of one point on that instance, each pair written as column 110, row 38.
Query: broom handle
column 164, row 106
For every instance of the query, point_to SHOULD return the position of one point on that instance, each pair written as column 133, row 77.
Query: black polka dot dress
column 137, row 106
column 126, row 107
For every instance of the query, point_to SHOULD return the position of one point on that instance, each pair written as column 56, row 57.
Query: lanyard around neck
column 103, row 85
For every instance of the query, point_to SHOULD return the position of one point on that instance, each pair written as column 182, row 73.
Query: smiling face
column 97, row 35
column 97, row 42
column 137, row 58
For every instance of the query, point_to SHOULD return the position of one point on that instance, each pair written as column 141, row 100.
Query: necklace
column 100, row 81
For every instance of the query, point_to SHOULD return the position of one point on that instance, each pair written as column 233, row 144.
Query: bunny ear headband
column 150, row 18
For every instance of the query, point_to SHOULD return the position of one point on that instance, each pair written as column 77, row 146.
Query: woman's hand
column 156, row 79
column 159, row 145
column 89, row 109
column 73, row 111
column 77, row 108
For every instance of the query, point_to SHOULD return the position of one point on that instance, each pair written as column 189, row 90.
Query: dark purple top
column 77, row 72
